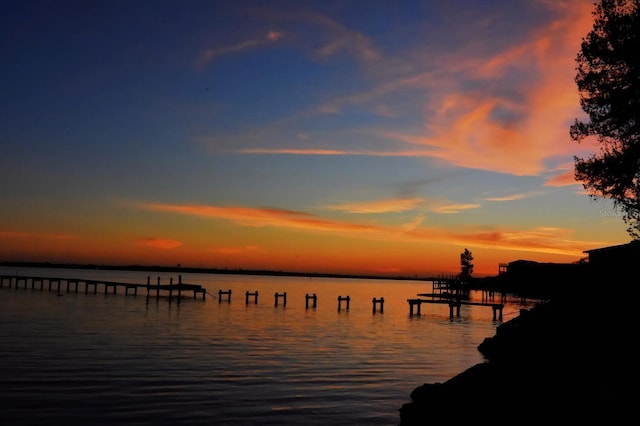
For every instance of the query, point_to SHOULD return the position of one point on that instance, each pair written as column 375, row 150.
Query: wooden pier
column 444, row 291
column 74, row 284
column 453, row 292
column 455, row 305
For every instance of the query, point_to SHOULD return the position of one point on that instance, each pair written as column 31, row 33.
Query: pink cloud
column 563, row 179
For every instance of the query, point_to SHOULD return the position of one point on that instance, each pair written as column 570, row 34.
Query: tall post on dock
column 180, row 288
column 312, row 297
column 376, row 302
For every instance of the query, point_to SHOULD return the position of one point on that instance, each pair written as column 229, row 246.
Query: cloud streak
column 260, row 217
column 323, row 36
column 159, row 243
column 507, row 112
column 541, row 240
column 382, row 206
column 208, row 55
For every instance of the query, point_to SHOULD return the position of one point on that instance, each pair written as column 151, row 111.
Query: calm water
column 114, row 359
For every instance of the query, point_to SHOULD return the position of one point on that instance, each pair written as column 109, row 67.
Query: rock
column 556, row 362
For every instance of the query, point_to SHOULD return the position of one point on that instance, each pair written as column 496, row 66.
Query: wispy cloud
column 258, row 217
column 454, row 208
column 563, row 179
column 505, row 113
column 323, row 36
column 512, row 197
column 508, row 112
column 208, row 55
column 381, row 206
column 541, row 240
column 414, row 223
column 538, row 240
column 337, row 152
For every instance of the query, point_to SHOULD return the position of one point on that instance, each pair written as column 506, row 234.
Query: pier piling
column 224, row 293
column 283, row 296
column 346, row 299
column 308, row 297
column 414, row 302
column 380, row 302
column 254, row 295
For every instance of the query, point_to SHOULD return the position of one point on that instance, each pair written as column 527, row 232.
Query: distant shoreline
column 195, row 270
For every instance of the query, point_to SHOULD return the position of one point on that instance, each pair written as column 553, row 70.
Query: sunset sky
column 377, row 137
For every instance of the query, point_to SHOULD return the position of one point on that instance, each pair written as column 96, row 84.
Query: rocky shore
column 571, row 360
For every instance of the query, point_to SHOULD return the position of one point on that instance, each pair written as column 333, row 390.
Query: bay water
column 106, row 359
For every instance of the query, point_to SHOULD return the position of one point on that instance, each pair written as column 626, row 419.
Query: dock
column 174, row 290
column 451, row 291
column 455, row 305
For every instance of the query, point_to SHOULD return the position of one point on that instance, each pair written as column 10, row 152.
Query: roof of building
column 631, row 244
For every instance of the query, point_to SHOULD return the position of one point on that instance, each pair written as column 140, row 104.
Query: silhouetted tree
column 608, row 81
column 466, row 264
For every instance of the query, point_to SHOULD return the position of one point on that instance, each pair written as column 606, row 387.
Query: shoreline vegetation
column 202, row 270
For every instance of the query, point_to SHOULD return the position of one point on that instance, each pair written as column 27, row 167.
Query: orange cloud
column 489, row 128
column 541, row 240
column 259, row 217
column 454, row 208
column 160, row 243
column 563, row 179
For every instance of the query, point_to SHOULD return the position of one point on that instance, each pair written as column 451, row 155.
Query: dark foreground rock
column 574, row 362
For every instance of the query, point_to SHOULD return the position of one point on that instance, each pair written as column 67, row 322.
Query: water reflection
column 233, row 362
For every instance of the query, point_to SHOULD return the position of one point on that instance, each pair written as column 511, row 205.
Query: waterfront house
column 620, row 260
